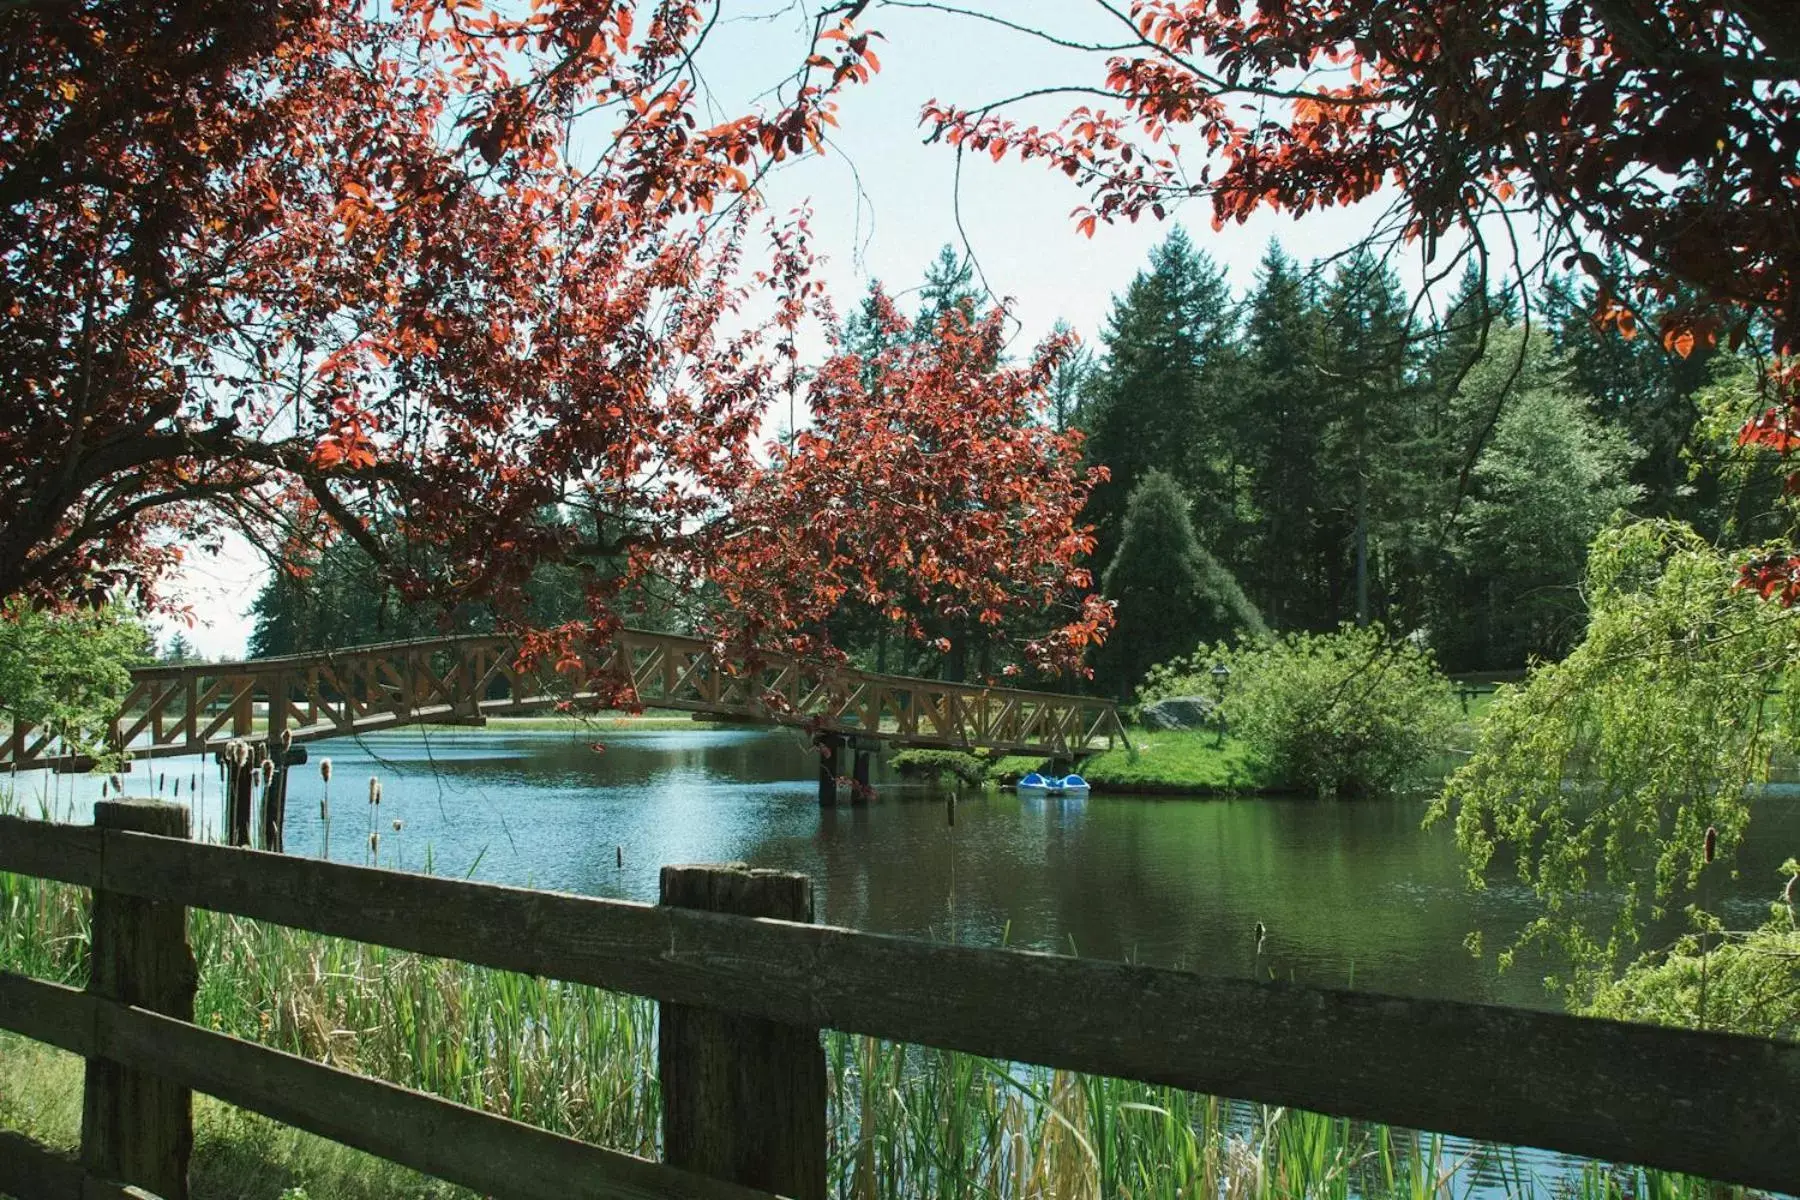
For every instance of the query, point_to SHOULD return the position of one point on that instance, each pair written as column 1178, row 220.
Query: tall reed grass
column 904, row 1121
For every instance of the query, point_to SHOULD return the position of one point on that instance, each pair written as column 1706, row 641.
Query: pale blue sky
column 884, row 202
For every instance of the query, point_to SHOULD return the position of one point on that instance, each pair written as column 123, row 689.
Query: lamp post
column 1221, row 675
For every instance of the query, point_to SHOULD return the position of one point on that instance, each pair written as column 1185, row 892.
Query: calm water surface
column 1351, row 892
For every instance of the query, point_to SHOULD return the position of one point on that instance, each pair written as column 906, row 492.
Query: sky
column 883, row 202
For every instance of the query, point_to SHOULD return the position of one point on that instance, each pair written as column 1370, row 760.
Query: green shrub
column 1351, row 711
column 939, row 764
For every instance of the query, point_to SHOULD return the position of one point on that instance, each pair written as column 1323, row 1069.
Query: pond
column 1350, row 893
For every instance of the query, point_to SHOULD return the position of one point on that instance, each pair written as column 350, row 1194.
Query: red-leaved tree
column 476, row 285
column 927, row 438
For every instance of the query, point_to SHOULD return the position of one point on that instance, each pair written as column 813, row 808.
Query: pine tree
column 1169, row 592
column 1284, row 412
column 1162, row 339
column 1376, row 455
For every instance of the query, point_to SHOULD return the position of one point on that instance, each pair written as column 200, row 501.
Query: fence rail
column 1711, row 1104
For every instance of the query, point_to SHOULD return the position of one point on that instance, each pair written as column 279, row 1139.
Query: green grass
column 1183, row 762
column 1174, row 762
column 237, row 1155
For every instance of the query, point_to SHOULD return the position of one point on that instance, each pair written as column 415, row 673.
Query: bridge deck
column 190, row 709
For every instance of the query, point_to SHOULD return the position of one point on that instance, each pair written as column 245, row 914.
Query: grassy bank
column 904, row 1121
column 1174, row 761
column 1182, row 762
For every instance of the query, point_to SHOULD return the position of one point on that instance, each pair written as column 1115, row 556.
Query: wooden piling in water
column 861, row 775
column 833, row 746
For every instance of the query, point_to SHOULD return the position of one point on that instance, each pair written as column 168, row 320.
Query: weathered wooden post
column 860, row 774
column 274, row 814
column 743, row 1099
column 242, row 768
column 138, row 1128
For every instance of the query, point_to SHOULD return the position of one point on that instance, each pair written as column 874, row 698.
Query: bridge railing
column 743, row 1000
column 192, row 708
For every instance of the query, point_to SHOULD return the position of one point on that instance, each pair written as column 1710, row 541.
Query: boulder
column 1178, row 712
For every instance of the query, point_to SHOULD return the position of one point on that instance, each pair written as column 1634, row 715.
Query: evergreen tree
column 1073, row 385
column 1169, row 592
column 1376, row 455
column 949, row 287
column 1149, row 408
column 1284, row 414
column 179, row 649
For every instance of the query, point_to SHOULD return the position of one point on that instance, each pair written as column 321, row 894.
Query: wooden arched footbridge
column 199, row 708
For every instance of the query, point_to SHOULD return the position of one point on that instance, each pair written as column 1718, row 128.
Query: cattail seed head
column 397, row 824
column 268, row 772
column 161, row 777
column 325, row 769
column 1712, row 842
column 374, row 843
column 1791, row 892
column 374, row 791
column 287, row 739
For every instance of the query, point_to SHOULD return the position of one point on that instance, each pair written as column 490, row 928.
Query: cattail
column 374, row 843
column 287, row 740
column 178, row 786
column 118, row 786
column 397, row 824
column 1792, row 891
column 374, row 791
column 325, row 769
column 105, row 784
column 268, row 772
column 160, row 777
column 1712, row 841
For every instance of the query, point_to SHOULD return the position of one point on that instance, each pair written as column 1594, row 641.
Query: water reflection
column 1352, row 893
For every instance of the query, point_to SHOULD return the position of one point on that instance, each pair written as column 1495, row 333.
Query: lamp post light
column 1221, row 675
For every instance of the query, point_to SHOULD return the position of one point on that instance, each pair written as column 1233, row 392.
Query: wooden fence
column 743, row 999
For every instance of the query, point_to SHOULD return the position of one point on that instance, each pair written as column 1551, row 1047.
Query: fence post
column 742, row 1099
column 135, row 1127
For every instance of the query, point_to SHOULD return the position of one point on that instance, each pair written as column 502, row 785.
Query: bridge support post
column 860, row 795
column 832, row 747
